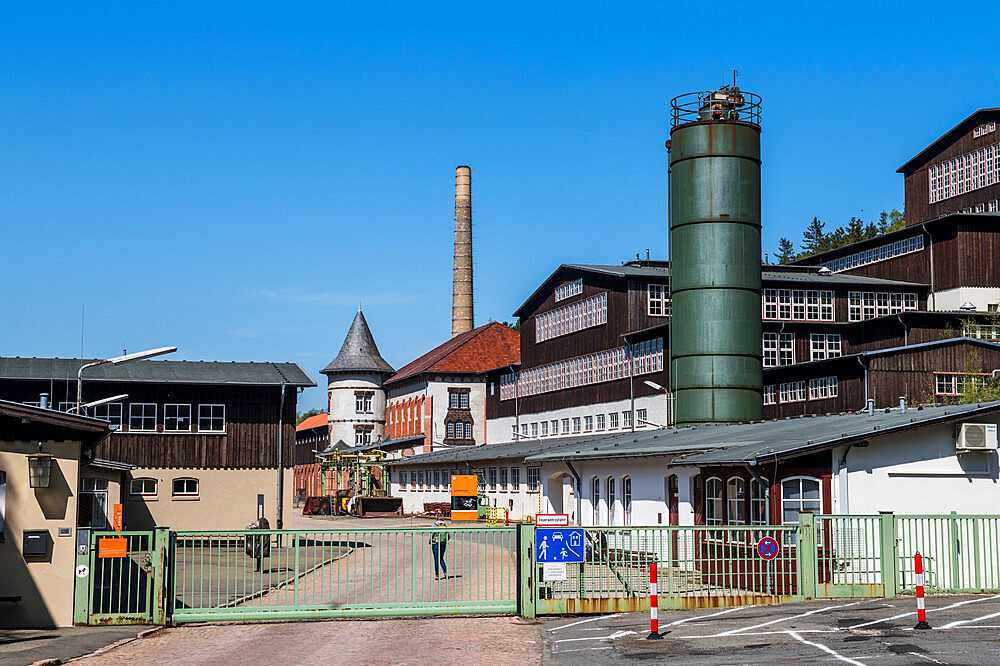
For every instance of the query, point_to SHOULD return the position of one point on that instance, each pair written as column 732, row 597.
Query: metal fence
column 961, row 553
column 257, row 574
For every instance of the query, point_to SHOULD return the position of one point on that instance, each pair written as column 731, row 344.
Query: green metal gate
column 119, row 577
column 282, row 574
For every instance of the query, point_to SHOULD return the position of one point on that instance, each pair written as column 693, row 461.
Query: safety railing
column 259, row 574
column 849, row 555
column 961, row 553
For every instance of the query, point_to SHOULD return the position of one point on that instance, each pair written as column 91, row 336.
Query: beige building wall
column 45, row 585
column 226, row 499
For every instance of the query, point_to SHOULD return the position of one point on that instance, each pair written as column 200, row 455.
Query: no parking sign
column 768, row 548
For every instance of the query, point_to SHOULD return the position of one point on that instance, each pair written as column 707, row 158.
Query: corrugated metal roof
column 156, row 372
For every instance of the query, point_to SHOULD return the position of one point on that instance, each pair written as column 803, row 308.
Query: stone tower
column 355, row 394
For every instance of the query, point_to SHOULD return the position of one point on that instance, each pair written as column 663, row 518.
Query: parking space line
column 929, row 610
column 589, row 619
column 957, row 623
column 732, row 632
column 699, row 617
column 617, row 634
column 824, row 648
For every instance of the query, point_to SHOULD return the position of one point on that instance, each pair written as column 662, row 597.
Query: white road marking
column 732, row 632
column 589, row 619
column 700, row 617
column 603, row 647
column 929, row 610
column 961, row 622
column 617, row 634
column 824, row 648
column 925, row 657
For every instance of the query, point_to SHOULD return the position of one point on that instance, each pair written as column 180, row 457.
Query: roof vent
column 824, row 270
column 968, row 306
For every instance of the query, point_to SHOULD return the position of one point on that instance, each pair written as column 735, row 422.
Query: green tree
column 814, row 238
column 897, row 221
column 977, row 387
column 786, row 251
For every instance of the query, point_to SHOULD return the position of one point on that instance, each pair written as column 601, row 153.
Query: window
column 515, row 479
column 92, row 504
column 589, row 312
column 176, row 418
column 211, row 418
column 142, row 417
column 504, row 479
column 185, row 488
column 786, row 349
column 771, row 395
column 564, row 291
column 595, row 499
column 363, row 402
column 953, row 383
column 143, row 486
column 880, row 253
column 778, row 349
column 588, row 423
column 736, row 499
column 867, row 304
column 823, row 346
column 611, row 500
column 555, row 427
column 524, row 429
column 534, row 479
column 799, row 493
column 576, row 424
column 626, row 419
column 657, row 301
column 640, row 416
column 402, row 480
column 534, row 429
column 493, row 478
column 545, row 428
column 449, row 430
column 362, row 435
column 822, row 388
column 627, row 498
column 758, row 503
column 965, row 173
column 792, row 391
column 458, row 399
column 600, row 421
column 110, row 412
column 420, row 480
column 565, row 426
column 437, row 479
column 713, row 504
column 468, row 430
column 613, row 421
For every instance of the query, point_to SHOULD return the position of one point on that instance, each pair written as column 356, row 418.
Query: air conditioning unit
column 976, row 437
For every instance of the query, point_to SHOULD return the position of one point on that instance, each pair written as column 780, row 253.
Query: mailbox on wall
column 36, row 543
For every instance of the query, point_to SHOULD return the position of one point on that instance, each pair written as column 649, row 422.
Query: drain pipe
column 577, row 481
column 868, row 403
column 930, row 247
column 281, row 446
column 751, row 467
column 906, row 329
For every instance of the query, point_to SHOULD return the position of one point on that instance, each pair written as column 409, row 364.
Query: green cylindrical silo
column 715, row 330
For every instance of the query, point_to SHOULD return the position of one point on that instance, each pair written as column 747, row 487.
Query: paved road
column 965, row 630
column 26, row 646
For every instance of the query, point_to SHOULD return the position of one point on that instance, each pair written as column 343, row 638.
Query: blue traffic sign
column 559, row 544
column 768, row 548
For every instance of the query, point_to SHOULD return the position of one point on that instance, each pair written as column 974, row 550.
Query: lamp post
column 137, row 356
column 657, row 387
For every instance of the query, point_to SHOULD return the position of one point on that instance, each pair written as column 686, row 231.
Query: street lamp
column 137, row 356
column 657, row 387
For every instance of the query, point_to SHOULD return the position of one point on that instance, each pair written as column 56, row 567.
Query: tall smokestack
column 461, row 293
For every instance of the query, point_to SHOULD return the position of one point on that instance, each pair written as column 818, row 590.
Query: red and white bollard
column 654, row 634
column 918, row 578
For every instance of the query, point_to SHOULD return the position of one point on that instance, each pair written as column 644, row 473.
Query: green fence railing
column 961, row 553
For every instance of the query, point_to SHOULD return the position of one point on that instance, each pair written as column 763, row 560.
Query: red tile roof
column 485, row 348
column 312, row 422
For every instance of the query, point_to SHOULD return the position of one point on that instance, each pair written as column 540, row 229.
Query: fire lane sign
column 552, row 520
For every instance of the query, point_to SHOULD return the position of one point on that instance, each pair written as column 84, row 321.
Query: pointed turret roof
column 359, row 353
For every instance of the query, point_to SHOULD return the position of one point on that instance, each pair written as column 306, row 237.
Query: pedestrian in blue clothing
column 439, row 542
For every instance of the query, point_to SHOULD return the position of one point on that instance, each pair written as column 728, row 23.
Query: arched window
column 611, row 501
column 758, row 503
column 627, row 499
column 736, row 500
column 713, row 503
column 595, row 499
column 185, row 487
column 799, row 493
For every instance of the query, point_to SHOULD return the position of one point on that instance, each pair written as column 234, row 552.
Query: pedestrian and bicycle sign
column 559, row 544
column 768, row 548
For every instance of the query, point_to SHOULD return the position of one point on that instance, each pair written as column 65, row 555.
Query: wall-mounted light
column 39, row 470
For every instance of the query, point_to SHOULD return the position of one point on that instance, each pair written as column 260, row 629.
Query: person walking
column 439, row 542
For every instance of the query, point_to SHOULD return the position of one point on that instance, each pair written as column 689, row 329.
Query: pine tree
column 814, row 238
column 786, row 251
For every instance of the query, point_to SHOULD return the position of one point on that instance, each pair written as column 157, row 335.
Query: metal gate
column 119, row 577
column 849, row 550
column 282, row 574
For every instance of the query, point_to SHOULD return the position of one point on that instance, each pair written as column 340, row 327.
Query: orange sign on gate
column 464, row 497
column 112, row 547
column 116, row 518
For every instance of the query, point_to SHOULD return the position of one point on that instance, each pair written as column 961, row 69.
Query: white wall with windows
column 507, row 483
column 356, row 408
column 953, row 299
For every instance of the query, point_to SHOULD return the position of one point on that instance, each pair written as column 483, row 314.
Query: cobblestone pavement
column 438, row 641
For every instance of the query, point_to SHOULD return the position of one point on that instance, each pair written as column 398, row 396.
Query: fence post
column 82, row 586
column 888, row 550
column 805, row 555
column 956, row 551
column 158, row 575
column 526, row 569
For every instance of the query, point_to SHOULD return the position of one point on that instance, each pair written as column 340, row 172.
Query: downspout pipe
column 577, row 483
column 930, row 247
column 753, row 472
column 866, row 379
column 631, row 388
column 281, row 459
column 906, row 329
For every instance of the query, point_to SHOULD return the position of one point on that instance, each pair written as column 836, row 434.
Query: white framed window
column 176, row 418
column 185, row 487
column 965, row 173
column 881, row 253
column 613, row 421
column 493, row 478
column 143, row 486
column 576, row 424
column 534, row 479
column 769, row 309
column 640, row 416
column 611, row 500
column 363, row 402
column 515, row 479
column 362, row 435
column 587, row 313
column 569, row 289
column 524, row 429
column 758, row 503
column 555, row 426
column 437, row 479
column 565, row 426
column 657, row 300
column 595, row 499
column 504, row 479
column 627, row 499
column 402, row 480
column 601, row 421
column 799, row 493
column 736, row 501
column 211, row 418
column 771, row 394
column 954, row 383
column 534, row 429
column 142, row 417
column 713, row 504
column 626, row 419
column 588, row 423
column 110, row 412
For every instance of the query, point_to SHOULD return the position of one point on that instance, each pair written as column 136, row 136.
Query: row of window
column 577, row 424
column 863, row 305
column 143, row 416
column 964, row 173
column 987, row 207
column 727, row 503
column 876, row 254
column 608, row 509
column 571, row 318
column 593, row 368
column 657, row 301
column 180, row 487
column 494, row 479
column 797, row 304
column 458, row 430
column 819, row 388
column 984, row 129
column 956, row 383
column 573, row 288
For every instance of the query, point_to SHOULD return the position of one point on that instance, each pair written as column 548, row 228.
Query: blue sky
column 233, row 178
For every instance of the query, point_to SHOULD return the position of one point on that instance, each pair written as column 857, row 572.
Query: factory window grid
column 363, row 435
column 211, row 418
column 713, row 505
column 771, row 394
column 964, row 173
column 627, row 419
column 984, row 129
column 627, row 499
column 956, row 383
column 142, row 417
column 534, row 479
column 504, row 479
column 992, row 206
column 608, row 365
column 402, row 480
column 876, row 254
column 792, row 391
column 569, row 289
column 363, row 402
column 176, row 418
column 657, row 300
column 515, row 479
column 799, row 493
column 493, row 479
column 566, row 319
column 823, row 388
column 862, row 305
column 565, row 426
column 595, row 499
column 640, row 417
column 778, row 349
column 576, row 424
column 613, row 421
column 534, row 429
column 736, row 501
column 110, row 412
column 611, row 500
column 458, row 398
column 524, row 429
column 545, row 428
column 588, row 423
column 824, row 345
column 601, row 421
column 758, row 503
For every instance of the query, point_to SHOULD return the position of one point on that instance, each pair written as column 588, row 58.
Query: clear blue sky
column 234, row 178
